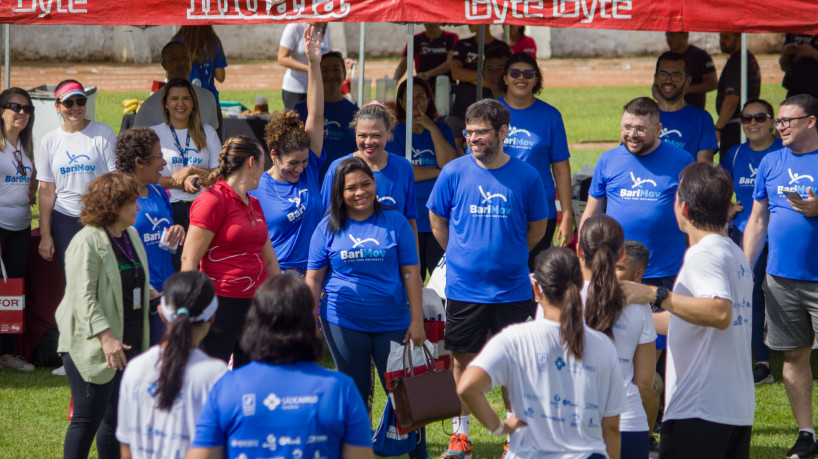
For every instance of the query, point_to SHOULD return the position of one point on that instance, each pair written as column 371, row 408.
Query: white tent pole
column 410, row 89
column 743, row 79
column 361, row 59
column 6, row 52
column 481, row 45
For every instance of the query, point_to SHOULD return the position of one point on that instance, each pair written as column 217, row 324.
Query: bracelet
column 719, row 129
column 499, row 431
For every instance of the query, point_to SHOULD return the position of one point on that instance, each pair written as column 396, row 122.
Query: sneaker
column 459, row 448
column 762, row 374
column 59, row 371
column 654, row 448
column 804, row 446
column 19, row 364
column 505, row 448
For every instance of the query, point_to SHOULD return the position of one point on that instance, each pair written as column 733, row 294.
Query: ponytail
column 572, row 331
column 235, row 152
column 602, row 238
column 558, row 274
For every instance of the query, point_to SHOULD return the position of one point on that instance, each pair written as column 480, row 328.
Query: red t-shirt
column 233, row 261
column 525, row 45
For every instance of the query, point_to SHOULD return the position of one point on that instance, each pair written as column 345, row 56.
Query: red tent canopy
column 658, row 15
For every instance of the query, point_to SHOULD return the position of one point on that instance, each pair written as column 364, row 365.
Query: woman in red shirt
column 228, row 240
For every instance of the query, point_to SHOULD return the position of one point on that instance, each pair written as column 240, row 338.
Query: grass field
column 33, row 406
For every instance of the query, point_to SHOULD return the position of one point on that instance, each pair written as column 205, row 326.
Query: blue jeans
column 353, row 350
column 63, row 229
column 760, row 350
column 635, row 445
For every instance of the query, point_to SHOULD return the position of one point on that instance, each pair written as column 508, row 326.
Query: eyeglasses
column 476, row 132
column 527, row 74
column 674, row 76
column 18, row 158
column 785, row 122
column 759, row 117
column 70, row 102
column 637, row 130
column 17, row 108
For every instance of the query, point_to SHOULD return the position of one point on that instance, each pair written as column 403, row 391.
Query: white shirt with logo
column 709, row 374
column 72, row 160
column 207, row 158
column 561, row 399
column 15, row 207
column 154, row 433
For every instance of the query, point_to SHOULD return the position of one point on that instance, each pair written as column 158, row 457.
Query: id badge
column 137, row 298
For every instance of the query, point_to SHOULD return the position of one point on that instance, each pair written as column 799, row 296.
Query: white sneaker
column 59, row 371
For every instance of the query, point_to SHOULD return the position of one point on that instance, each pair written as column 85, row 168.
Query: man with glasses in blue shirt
column 785, row 210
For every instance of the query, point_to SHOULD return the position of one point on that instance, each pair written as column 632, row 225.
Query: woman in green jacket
column 103, row 317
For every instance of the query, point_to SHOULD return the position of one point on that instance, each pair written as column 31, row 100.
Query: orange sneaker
column 459, row 448
column 505, row 448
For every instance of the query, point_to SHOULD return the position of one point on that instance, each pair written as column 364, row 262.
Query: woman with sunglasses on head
column 190, row 148
column 563, row 378
column 164, row 389
column 70, row 157
column 537, row 136
column 432, row 148
column 18, row 186
column 741, row 161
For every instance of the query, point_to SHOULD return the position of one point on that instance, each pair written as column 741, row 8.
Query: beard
column 674, row 96
column 490, row 151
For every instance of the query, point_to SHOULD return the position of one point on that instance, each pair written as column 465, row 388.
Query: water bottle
column 443, row 89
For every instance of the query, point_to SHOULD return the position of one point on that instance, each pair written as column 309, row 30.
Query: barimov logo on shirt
column 299, row 204
column 23, row 175
column 751, row 180
column 795, row 184
column 366, row 252
column 519, row 138
column 76, row 166
column 492, row 205
column 642, row 189
column 666, row 132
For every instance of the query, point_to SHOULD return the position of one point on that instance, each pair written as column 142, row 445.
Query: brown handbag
column 421, row 399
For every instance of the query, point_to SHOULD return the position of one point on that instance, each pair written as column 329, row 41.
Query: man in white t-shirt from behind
column 709, row 393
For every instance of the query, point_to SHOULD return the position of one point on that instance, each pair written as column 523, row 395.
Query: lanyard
column 182, row 152
column 126, row 249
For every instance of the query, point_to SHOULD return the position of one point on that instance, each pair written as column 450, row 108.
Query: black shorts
column 686, row 438
column 468, row 324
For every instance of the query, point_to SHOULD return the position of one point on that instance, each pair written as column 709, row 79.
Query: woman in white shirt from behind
column 563, row 379
column 164, row 389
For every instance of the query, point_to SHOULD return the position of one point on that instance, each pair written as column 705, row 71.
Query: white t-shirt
column 561, row 399
column 154, row 433
column 208, row 158
column 151, row 111
column 709, row 374
column 72, row 160
column 15, row 207
column 292, row 38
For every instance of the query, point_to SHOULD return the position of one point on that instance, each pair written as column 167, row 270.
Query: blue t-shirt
column 204, row 75
column 423, row 154
column 641, row 192
column 339, row 138
column 363, row 285
column 292, row 211
column 742, row 162
column 792, row 235
column 395, row 185
column 537, row 136
column 488, row 211
column 691, row 129
column 155, row 215
column 291, row 410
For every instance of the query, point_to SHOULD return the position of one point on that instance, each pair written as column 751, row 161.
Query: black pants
column 430, row 253
column 544, row 243
column 63, row 229
column 15, row 246
column 697, row 438
column 181, row 216
column 291, row 98
column 95, row 409
column 225, row 332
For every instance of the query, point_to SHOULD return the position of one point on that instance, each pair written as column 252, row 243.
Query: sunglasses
column 70, row 102
column 18, row 158
column 17, row 108
column 527, row 74
column 759, row 117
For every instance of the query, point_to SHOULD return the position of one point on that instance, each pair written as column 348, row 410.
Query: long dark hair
column 558, row 274
column 202, row 43
column 400, row 106
column 194, row 123
column 280, row 326
column 337, row 206
column 525, row 58
column 235, row 152
column 26, row 138
column 191, row 290
column 601, row 240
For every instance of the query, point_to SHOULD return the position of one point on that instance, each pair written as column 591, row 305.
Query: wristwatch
column 661, row 295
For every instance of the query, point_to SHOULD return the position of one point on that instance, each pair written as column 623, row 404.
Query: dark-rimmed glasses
column 759, row 117
column 81, row 101
column 17, row 108
column 527, row 74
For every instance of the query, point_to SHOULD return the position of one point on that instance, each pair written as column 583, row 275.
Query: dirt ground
column 111, row 77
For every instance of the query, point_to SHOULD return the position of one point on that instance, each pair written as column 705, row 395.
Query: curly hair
column 106, row 196
column 285, row 134
column 132, row 145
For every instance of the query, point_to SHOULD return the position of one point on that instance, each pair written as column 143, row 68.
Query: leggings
column 223, row 338
column 95, row 407
column 353, row 350
column 181, row 216
column 63, row 229
column 430, row 253
column 291, row 98
column 15, row 246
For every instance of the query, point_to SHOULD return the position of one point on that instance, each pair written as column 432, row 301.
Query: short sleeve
column 214, row 146
column 289, row 38
column 107, row 147
column 760, row 190
column 537, row 201
column 208, row 211
column 732, row 77
column 615, row 402
column 709, row 277
column 357, row 428
column 598, row 182
column 221, row 60
column 447, row 133
column 440, row 200
column 729, row 160
column 559, row 141
column 326, row 187
column 495, row 359
column 407, row 248
column 411, row 210
column 209, row 431
column 319, row 255
column 460, row 52
column 707, row 141
column 44, row 162
column 648, row 333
